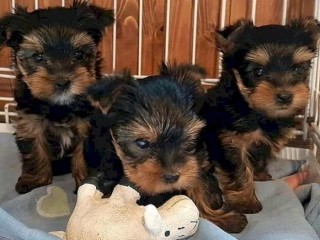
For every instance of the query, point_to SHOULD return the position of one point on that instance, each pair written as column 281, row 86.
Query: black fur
column 55, row 55
column 229, row 109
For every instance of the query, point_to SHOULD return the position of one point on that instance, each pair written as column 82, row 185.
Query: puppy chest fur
column 60, row 139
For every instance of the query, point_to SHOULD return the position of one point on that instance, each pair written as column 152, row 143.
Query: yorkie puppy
column 250, row 114
column 56, row 59
column 151, row 134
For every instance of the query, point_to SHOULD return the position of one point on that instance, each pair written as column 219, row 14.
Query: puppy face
column 56, row 49
column 155, row 131
column 158, row 146
column 271, row 64
column 57, row 63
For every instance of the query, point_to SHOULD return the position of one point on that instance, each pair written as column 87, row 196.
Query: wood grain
column 237, row 9
column 29, row 4
column 268, row 12
column 181, row 27
column 106, row 47
column 153, row 35
column 49, row 3
column 300, row 8
column 127, row 35
column 180, row 41
column 208, row 22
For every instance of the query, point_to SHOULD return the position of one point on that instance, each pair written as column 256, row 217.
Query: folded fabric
column 309, row 196
column 12, row 229
column 25, row 216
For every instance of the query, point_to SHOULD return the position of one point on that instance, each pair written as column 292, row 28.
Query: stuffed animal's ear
column 13, row 26
column 309, row 25
column 152, row 220
column 103, row 94
column 96, row 20
column 226, row 38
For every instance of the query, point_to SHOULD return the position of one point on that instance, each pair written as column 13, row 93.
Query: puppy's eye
column 38, row 57
column 79, row 55
column 143, row 144
column 257, row 73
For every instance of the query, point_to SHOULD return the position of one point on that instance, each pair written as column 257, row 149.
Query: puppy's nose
column 171, row 177
column 61, row 83
column 284, row 98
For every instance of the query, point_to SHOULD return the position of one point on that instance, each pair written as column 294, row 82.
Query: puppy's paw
column 249, row 206
column 102, row 183
column 231, row 222
column 28, row 182
column 262, row 176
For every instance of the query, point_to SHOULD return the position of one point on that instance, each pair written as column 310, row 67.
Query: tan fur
column 243, row 141
column 303, row 54
column 264, row 95
column 193, row 129
column 244, row 90
column 232, row 222
column 259, row 56
column 240, row 194
column 36, row 168
column 33, row 43
column 148, row 176
column 81, row 39
column 38, row 161
column 81, row 79
column 144, row 131
column 40, row 84
column 105, row 104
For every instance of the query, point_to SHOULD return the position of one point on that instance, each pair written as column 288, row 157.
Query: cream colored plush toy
column 121, row 218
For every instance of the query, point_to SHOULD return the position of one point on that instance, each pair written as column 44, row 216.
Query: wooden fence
column 148, row 31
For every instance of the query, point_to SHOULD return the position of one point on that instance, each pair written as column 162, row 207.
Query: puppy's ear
column 13, row 26
column 181, row 71
column 227, row 37
column 189, row 75
column 105, row 92
column 309, row 25
column 95, row 19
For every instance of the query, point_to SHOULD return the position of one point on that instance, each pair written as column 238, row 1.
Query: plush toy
column 120, row 217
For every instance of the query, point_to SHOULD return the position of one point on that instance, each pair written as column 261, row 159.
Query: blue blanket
column 283, row 217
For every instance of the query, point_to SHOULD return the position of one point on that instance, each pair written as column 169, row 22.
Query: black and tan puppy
column 56, row 59
column 250, row 114
column 151, row 134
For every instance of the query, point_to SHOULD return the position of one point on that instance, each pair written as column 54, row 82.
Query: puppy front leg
column 202, row 195
column 79, row 167
column 258, row 156
column 36, row 164
column 238, row 187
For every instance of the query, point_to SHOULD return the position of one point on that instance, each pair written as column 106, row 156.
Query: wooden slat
column 29, row 4
column 237, row 9
column 6, row 87
column 127, row 35
column 300, row 8
column 49, row 3
column 105, row 46
column 208, row 21
column 180, row 43
column 181, row 24
column 5, row 60
column 268, row 12
column 153, row 35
